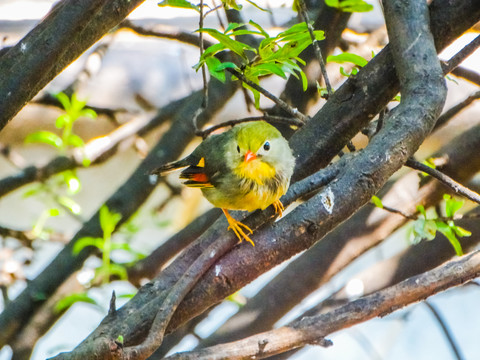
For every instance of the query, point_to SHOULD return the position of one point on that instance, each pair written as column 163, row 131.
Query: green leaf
column 259, row 28
column 376, row 201
column 452, row 205
column 53, row 212
column 425, row 229
column 68, row 301
column 461, row 232
column 89, row 113
column 119, row 270
column 34, row 190
column 72, row 181
column 231, row 4
column 269, row 68
column 343, row 72
column 87, row 241
column 304, row 81
column 422, row 211
column 64, row 100
column 355, row 6
column 333, row 3
column 119, row 339
column 108, row 220
column 236, row 46
column 232, row 26
column 212, row 64
column 75, row 141
column 258, row 7
column 45, row 137
column 179, row 4
column 450, row 235
column 70, row 204
column 347, row 57
column 62, row 120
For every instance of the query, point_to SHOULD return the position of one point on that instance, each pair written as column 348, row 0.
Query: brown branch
column 266, row 117
column 467, row 74
column 165, row 31
column 311, row 330
column 454, row 110
column 463, row 54
column 316, row 46
column 444, row 179
column 150, row 266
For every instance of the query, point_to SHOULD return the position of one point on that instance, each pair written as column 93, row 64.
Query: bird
column 247, row 168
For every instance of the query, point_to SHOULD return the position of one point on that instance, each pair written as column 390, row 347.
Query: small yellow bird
column 245, row 168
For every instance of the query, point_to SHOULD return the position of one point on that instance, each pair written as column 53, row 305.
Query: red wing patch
column 200, row 177
column 195, row 177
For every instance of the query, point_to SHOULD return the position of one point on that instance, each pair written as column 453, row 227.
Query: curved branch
column 312, row 330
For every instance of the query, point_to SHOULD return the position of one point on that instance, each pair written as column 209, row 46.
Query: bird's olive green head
column 258, row 151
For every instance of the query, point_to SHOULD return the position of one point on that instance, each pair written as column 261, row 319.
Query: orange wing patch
column 200, row 177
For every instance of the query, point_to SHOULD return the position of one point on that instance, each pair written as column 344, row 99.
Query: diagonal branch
column 311, row 330
column 70, row 28
column 444, row 179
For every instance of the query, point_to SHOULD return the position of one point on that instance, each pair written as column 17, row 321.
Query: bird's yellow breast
column 255, row 170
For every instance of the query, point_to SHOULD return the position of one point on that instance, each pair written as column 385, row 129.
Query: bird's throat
column 255, row 170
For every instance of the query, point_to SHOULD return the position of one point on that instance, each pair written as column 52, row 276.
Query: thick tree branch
column 66, row 32
column 311, row 330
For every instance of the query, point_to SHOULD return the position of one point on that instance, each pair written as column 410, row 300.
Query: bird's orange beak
column 249, row 156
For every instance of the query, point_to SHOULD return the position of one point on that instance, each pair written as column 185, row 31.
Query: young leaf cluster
column 277, row 55
column 74, row 110
column 426, row 228
column 108, row 222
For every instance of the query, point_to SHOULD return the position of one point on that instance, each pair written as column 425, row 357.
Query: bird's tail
column 169, row 167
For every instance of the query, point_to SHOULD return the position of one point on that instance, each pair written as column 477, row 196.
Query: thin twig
column 316, row 46
column 266, row 117
column 444, row 179
column 282, row 104
column 443, row 324
column 457, row 59
column 22, row 236
column 454, row 110
column 398, row 212
column 204, row 77
column 166, row 32
column 467, row 74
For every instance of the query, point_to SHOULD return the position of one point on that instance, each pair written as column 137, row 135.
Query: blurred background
column 134, row 75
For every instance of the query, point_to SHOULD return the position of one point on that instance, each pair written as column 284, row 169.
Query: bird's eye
column 238, row 149
column 266, row 146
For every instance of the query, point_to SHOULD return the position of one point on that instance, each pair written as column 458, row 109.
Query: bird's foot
column 278, row 206
column 237, row 227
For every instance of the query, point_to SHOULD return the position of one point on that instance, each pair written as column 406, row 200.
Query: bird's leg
column 278, row 206
column 236, row 227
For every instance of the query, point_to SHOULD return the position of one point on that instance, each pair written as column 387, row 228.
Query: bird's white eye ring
column 266, row 146
column 238, row 149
